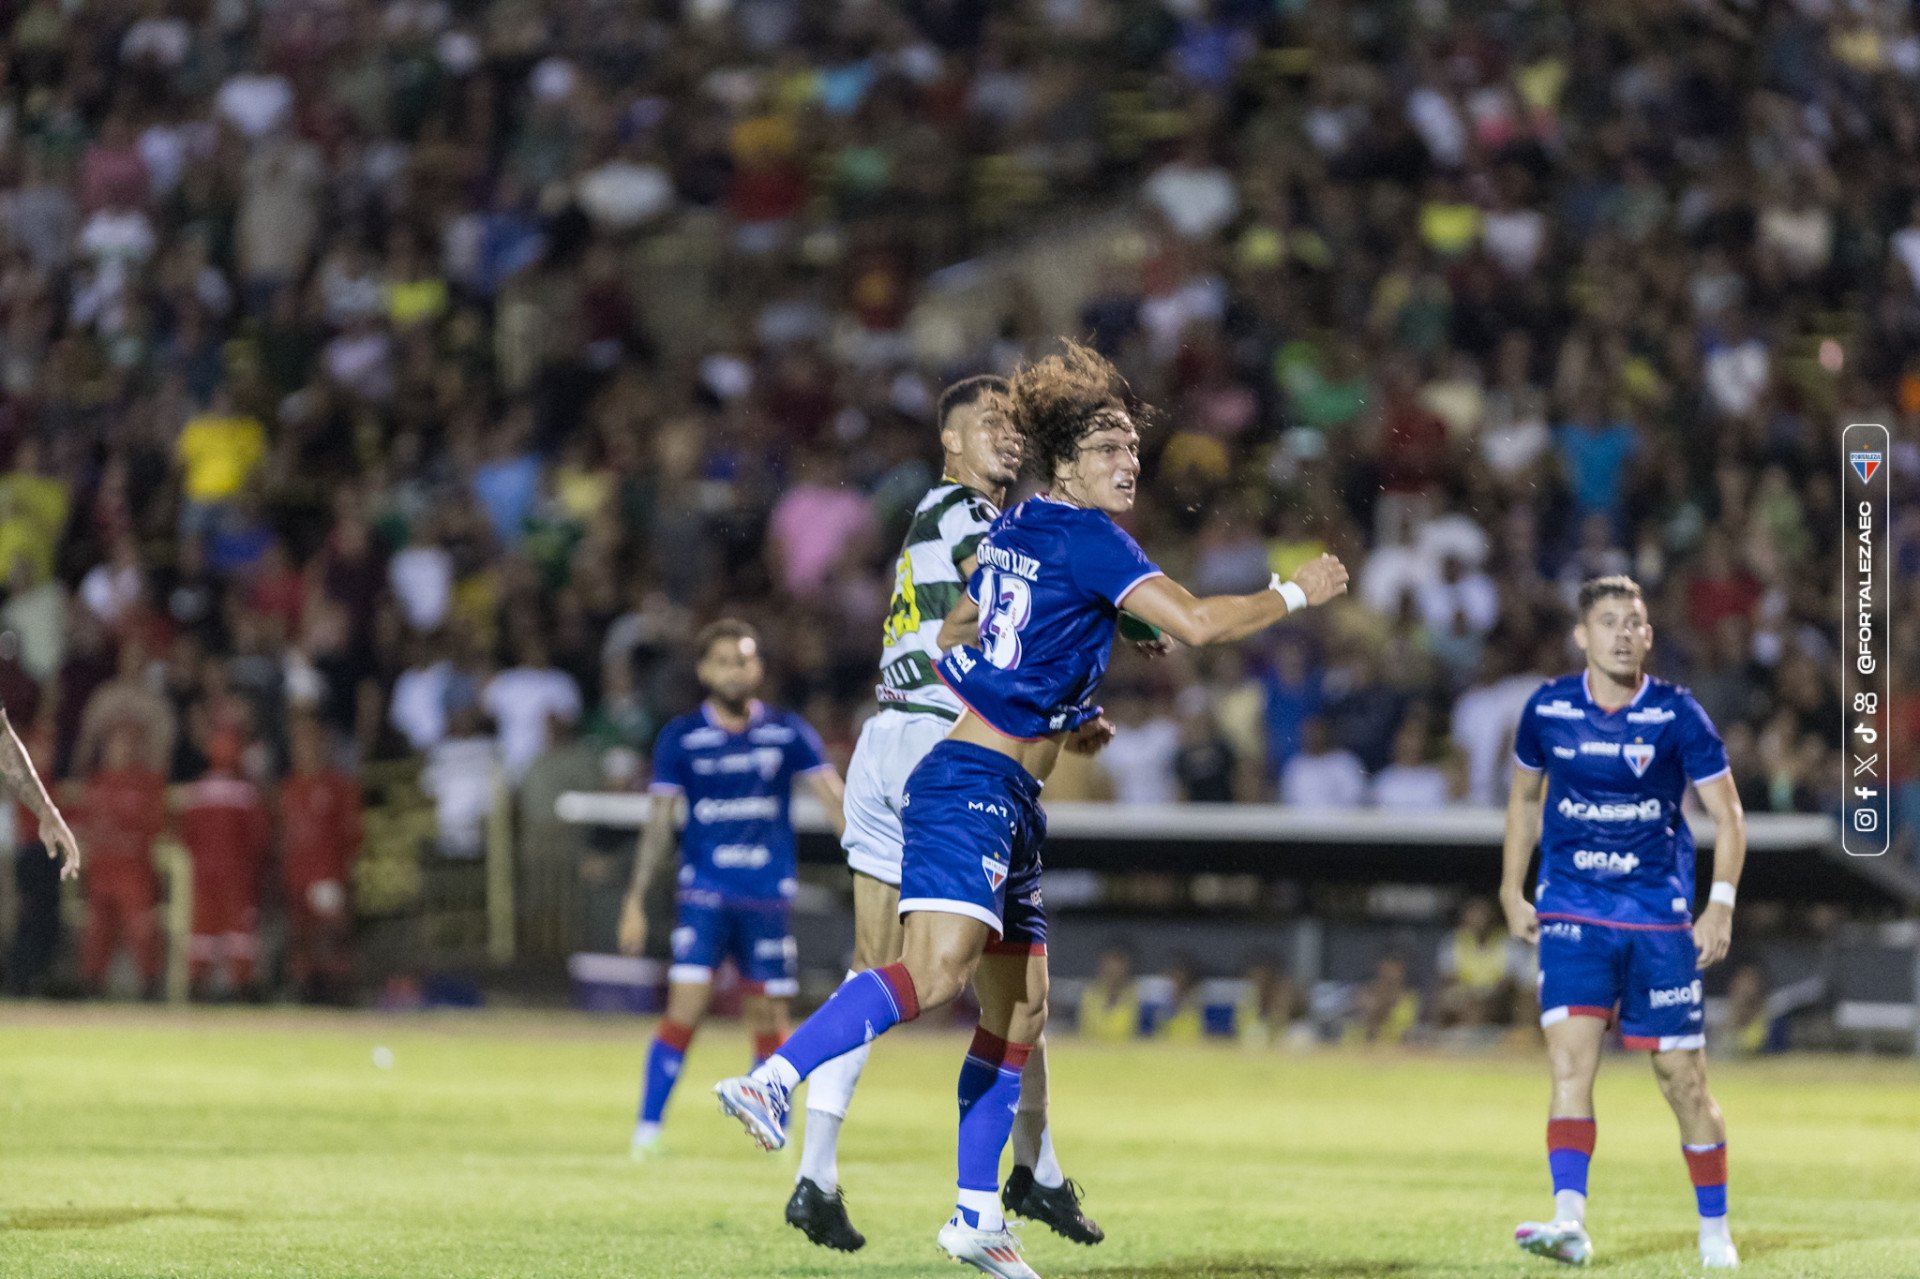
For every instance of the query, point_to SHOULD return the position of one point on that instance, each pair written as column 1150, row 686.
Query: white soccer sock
column 1569, row 1205
column 1714, row 1228
column 830, row 1088
column 984, row 1204
column 1046, row 1168
column 1032, row 1138
column 777, row 1070
column 829, row 1094
column 645, row 1133
column 820, row 1149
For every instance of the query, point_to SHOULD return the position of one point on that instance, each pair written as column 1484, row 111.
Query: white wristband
column 1721, row 892
column 1290, row 592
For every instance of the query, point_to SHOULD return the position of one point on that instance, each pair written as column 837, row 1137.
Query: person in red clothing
column 320, row 821
column 123, row 810
column 224, row 824
column 1722, row 586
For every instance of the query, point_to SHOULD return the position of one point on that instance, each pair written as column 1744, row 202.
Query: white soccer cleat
column 993, row 1252
column 1719, row 1254
column 1562, row 1241
column 759, row 1105
column 646, row 1145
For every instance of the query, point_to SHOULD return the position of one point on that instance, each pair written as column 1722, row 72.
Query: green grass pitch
column 243, row 1143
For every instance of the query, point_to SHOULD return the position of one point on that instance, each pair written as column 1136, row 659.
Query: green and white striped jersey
column 947, row 528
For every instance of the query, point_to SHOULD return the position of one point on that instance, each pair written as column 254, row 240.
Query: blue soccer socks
column 989, row 1093
column 1707, row 1165
column 864, row 1008
column 664, row 1060
column 1569, row 1152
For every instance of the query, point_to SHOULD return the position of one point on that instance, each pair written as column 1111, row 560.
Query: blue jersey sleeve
column 1108, row 563
column 1526, row 739
column 669, row 763
column 1702, row 753
column 807, row 752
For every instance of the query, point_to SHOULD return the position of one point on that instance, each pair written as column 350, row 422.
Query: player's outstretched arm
column 1524, row 798
column 650, row 857
column 1713, row 930
column 24, row 784
column 827, row 787
column 1222, row 619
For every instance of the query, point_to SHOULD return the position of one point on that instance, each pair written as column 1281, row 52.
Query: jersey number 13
column 1006, row 607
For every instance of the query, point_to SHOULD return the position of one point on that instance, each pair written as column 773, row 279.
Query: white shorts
column 891, row 743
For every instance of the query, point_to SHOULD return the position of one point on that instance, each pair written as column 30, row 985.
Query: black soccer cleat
column 822, row 1217
column 1056, row 1207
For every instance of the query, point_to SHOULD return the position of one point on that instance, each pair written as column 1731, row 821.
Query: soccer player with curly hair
column 981, row 451
column 1053, row 574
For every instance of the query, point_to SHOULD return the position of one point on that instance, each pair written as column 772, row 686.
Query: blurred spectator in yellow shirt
column 33, row 512
column 1185, row 1018
column 218, row 451
column 413, row 291
column 1750, row 1028
column 1476, row 968
column 1110, row 1003
column 1387, row 1009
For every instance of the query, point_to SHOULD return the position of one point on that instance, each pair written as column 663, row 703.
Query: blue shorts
column 1651, row 974
column 755, row 935
column 973, row 829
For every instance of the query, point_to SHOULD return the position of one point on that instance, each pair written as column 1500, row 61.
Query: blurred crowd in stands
column 1476, row 989
column 424, row 372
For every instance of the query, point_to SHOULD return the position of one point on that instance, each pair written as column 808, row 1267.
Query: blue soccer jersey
column 1614, row 848
column 1049, row 584
column 738, row 846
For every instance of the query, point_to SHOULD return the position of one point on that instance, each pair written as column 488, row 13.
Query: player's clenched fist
column 1091, row 737
column 1522, row 922
column 61, row 845
column 1713, row 934
column 1322, row 579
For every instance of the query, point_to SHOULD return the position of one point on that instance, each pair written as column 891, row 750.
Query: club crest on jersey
column 1638, row 755
column 1865, row 464
column 996, row 872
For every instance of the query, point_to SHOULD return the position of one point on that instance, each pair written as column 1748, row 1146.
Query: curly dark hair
column 1056, row 401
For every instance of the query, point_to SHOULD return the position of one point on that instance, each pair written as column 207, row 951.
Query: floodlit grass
column 243, row 1143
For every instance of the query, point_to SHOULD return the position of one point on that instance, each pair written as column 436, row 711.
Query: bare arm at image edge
column 24, row 784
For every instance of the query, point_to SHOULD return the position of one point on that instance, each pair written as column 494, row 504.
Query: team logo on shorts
column 996, row 872
column 1638, row 755
column 1865, row 464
